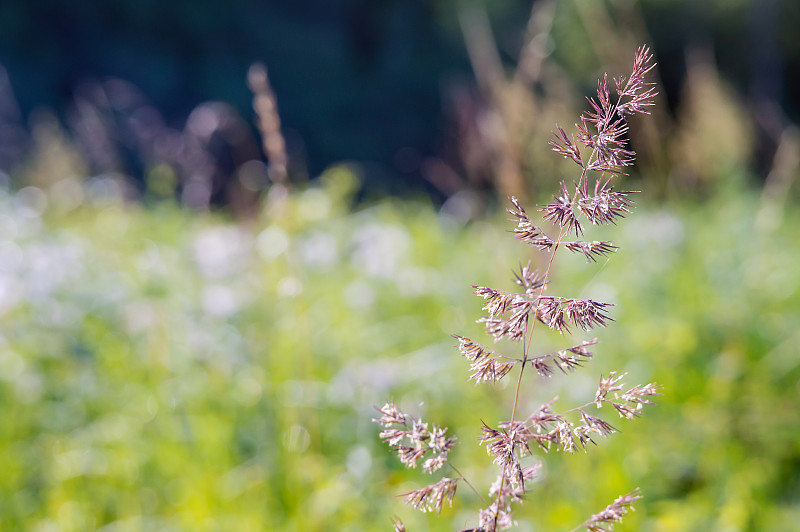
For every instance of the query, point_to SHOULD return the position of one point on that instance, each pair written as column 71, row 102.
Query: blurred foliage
column 161, row 370
column 388, row 84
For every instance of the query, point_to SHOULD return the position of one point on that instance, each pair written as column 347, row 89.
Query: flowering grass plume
column 613, row 513
column 412, row 440
column 599, row 147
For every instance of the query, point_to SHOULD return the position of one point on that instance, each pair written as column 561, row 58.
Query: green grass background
column 162, row 370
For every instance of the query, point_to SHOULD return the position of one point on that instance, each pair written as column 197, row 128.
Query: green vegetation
column 161, row 370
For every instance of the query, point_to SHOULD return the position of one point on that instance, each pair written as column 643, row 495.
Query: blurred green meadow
column 164, row 370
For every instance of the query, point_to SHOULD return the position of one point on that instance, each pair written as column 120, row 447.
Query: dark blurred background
column 388, row 84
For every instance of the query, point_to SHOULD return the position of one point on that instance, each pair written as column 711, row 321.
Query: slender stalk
column 582, row 525
column 462, row 477
column 529, row 333
column 526, row 351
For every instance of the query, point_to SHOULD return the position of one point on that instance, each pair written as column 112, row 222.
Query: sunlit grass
column 162, row 370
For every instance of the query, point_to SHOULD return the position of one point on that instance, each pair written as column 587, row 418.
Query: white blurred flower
column 319, row 250
column 380, row 250
column 220, row 301
column 271, row 242
column 221, row 251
